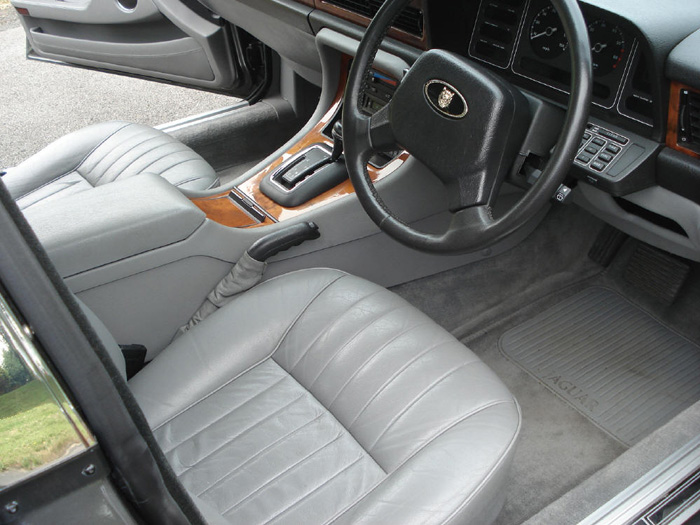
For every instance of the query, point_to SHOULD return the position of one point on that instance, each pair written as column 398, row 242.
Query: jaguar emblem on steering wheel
column 445, row 99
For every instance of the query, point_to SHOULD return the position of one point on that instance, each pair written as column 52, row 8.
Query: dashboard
column 525, row 41
column 639, row 158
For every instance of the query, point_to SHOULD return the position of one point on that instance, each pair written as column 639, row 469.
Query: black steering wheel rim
column 472, row 228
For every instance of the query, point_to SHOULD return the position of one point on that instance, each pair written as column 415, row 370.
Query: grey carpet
column 228, row 175
column 466, row 299
column 610, row 360
column 559, row 448
column 591, row 494
column 244, row 135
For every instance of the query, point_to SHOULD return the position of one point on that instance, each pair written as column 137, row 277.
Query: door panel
column 181, row 57
column 163, row 39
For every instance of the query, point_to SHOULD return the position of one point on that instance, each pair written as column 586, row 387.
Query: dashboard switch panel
column 600, row 147
column 616, row 161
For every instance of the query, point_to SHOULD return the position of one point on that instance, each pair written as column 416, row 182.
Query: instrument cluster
column 527, row 37
column 542, row 55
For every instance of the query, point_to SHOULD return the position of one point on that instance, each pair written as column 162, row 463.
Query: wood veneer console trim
column 221, row 209
column 674, row 105
column 398, row 34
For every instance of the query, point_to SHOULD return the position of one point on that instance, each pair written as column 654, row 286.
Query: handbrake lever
column 248, row 271
column 282, row 240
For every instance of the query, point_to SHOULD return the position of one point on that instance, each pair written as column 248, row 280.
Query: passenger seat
column 104, row 153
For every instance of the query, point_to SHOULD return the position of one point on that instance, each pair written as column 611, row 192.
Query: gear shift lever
column 337, row 133
column 307, row 174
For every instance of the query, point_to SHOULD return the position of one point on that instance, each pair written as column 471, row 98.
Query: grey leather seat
column 318, row 397
column 103, row 153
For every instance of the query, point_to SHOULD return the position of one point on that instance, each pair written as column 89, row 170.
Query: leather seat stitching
column 316, row 489
column 280, row 474
column 50, row 182
column 177, row 151
column 232, row 411
column 394, row 376
column 297, row 318
column 70, row 185
column 266, row 389
column 190, row 158
column 132, row 161
column 450, row 426
column 262, row 360
column 230, row 440
column 415, row 400
column 355, row 336
column 95, row 148
column 166, row 170
column 75, row 168
column 371, row 358
column 122, row 146
column 266, row 449
column 328, row 327
column 426, row 444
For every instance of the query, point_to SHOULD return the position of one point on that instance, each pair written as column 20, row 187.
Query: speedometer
column 547, row 36
column 608, row 47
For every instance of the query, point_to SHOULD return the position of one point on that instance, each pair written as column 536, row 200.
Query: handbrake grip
column 282, row 240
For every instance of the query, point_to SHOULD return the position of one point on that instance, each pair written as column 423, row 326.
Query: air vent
column 496, row 31
column 637, row 101
column 689, row 120
column 410, row 20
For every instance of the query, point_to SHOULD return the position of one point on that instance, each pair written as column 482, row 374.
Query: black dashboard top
column 683, row 63
column 524, row 41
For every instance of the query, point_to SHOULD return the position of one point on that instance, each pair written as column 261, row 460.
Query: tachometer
column 547, row 36
column 608, row 46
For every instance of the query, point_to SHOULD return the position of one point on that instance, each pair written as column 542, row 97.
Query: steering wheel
column 466, row 125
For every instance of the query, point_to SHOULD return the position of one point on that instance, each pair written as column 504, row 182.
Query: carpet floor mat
column 610, row 360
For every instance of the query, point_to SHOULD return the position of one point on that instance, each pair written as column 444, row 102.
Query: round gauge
column 608, row 46
column 547, row 36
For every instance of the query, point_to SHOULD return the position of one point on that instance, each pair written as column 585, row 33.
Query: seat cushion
column 319, row 397
column 103, row 153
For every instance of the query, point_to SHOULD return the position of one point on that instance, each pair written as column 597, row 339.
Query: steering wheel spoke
column 381, row 134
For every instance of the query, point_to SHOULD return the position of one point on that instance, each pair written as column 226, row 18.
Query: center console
column 140, row 249
column 308, row 175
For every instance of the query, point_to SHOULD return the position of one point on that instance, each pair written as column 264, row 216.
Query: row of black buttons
column 605, row 150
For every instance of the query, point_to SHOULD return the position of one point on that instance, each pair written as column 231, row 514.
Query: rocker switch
column 562, row 194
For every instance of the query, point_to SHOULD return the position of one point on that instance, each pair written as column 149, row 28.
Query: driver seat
column 319, row 397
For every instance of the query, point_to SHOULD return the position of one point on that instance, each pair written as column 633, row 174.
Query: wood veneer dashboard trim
column 398, row 34
column 674, row 105
column 219, row 208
